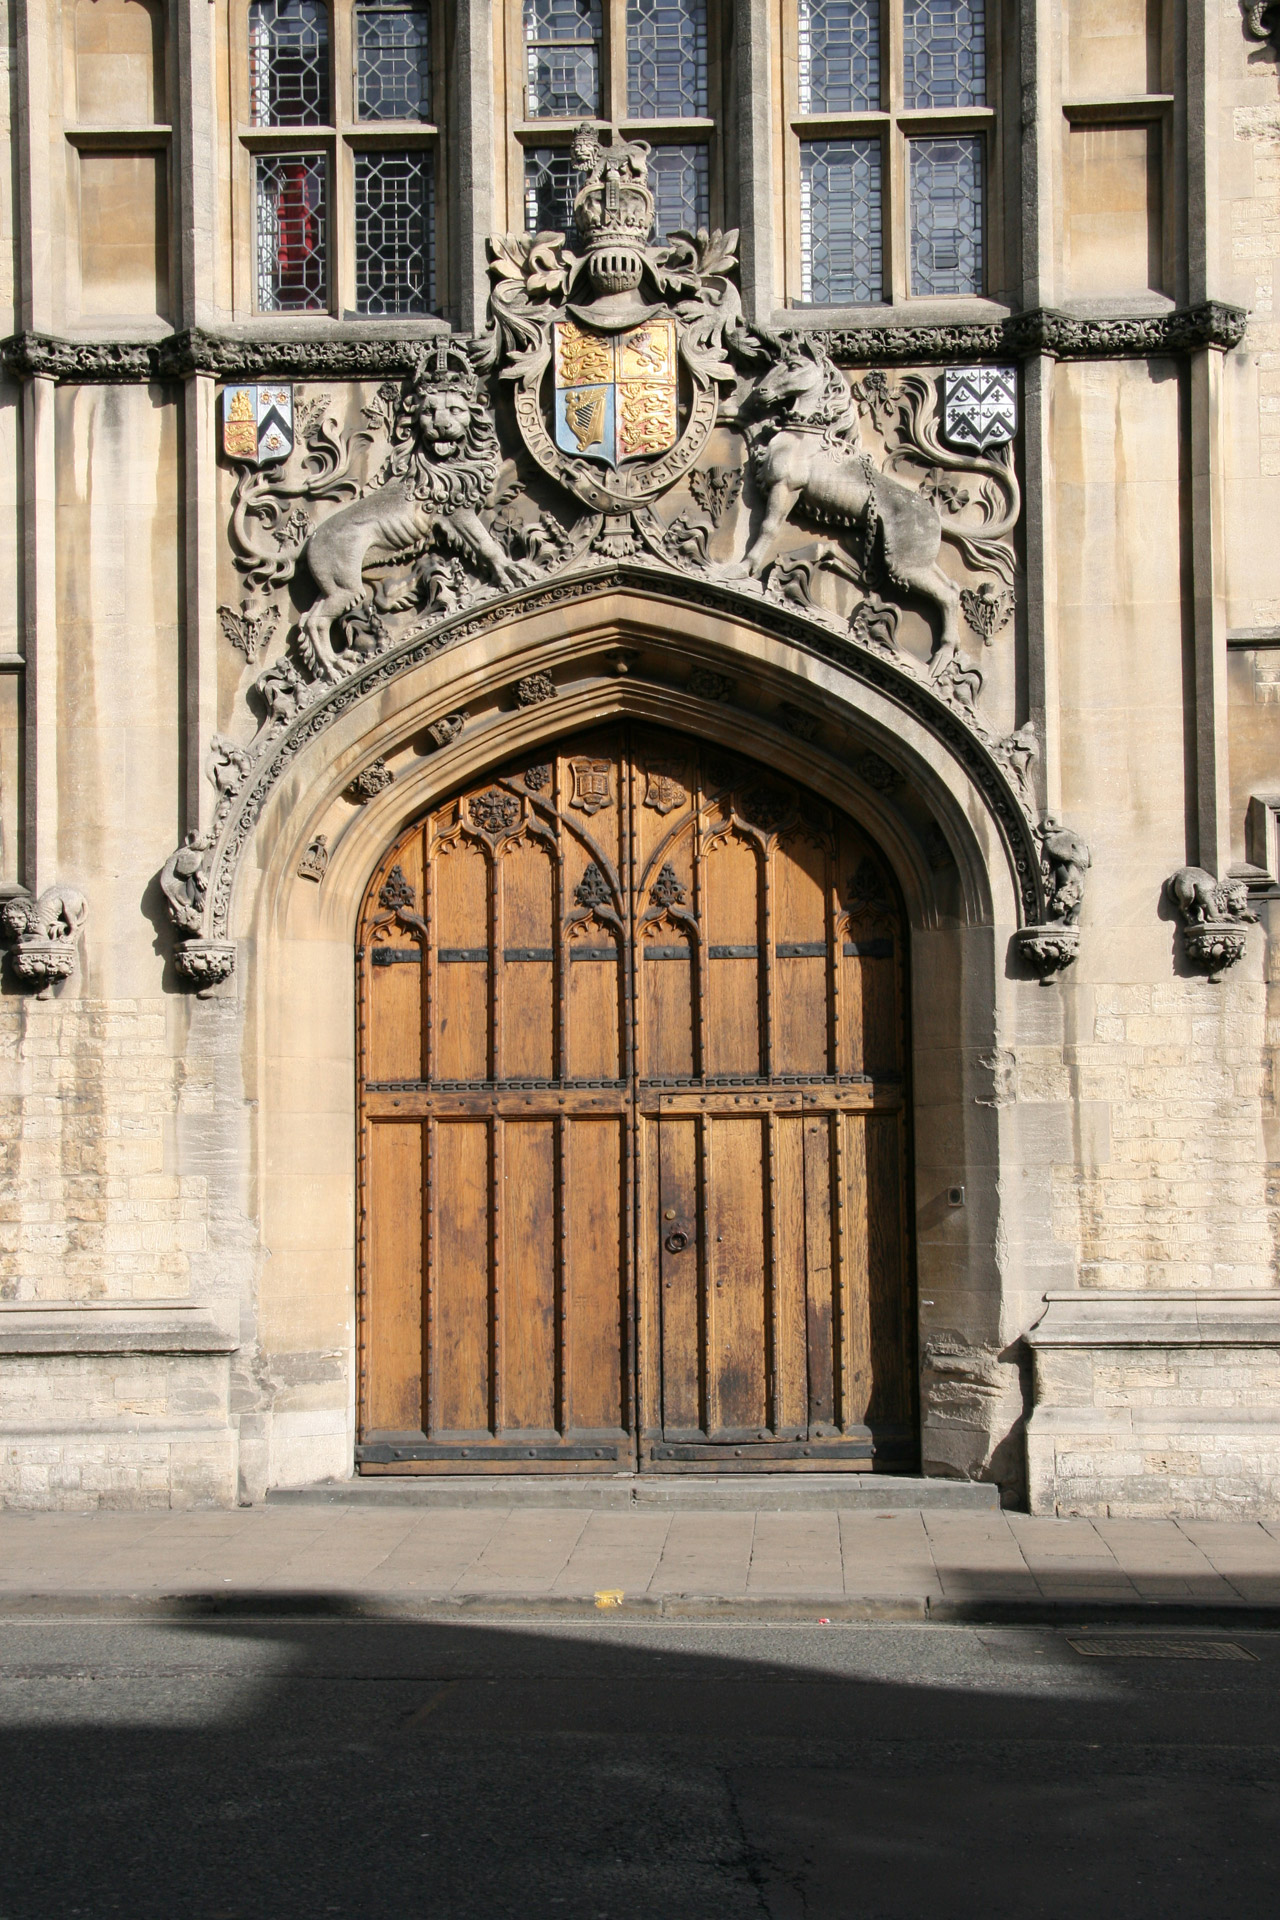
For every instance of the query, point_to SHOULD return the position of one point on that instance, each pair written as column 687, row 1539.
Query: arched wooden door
column 633, row 1126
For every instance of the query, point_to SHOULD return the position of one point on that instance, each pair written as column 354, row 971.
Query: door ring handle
column 677, row 1241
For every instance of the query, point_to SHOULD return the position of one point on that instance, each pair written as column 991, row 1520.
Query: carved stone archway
column 547, row 669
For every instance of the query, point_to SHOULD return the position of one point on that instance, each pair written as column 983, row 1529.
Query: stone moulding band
column 910, row 695
column 385, row 355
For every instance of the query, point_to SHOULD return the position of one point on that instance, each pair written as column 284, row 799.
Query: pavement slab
column 850, row 1563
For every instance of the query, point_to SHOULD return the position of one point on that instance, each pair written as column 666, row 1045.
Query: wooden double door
column 633, row 1126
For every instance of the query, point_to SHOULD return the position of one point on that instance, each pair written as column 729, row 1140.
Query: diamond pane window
column 395, row 221
column 666, row 58
column 841, row 251
column 289, row 63
column 562, row 50
column 549, row 190
column 946, row 215
column 393, row 62
column 944, row 53
column 839, row 56
column 678, row 177
column 292, row 216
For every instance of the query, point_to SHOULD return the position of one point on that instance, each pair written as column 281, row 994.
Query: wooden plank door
column 636, row 1007
column 497, row 1142
column 777, row 1317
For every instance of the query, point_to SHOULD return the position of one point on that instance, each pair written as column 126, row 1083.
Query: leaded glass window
column 393, row 61
column 839, row 56
column 289, row 63
column 946, row 215
column 550, row 187
column 562, row 51
column 840, row 222
column 292, row 220
column 889, row 151
column 395, row 209
column 678, row 176
column 666, row 59
column 944, row 53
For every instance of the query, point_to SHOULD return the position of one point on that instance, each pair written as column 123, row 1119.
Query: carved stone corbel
column 1214, row 916
column 42, row 936
column 205, row 963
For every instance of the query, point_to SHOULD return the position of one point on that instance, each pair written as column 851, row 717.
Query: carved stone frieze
column 41, row 936
column 1214, row 916
column 335, row 355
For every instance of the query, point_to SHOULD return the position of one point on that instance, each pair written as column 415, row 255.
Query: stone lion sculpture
column 1200, row 899
column 443, row 466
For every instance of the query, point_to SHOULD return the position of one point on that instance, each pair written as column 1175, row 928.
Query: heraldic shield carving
column 616, row 351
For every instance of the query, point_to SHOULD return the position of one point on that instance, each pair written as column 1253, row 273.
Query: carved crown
column 613, row 212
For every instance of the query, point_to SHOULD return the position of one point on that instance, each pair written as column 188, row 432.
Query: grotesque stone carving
column 987, row 610
column 1214, row 915
column 41, row 935
column 1064, row 859
column 1262, row 21
column 184, row 881
column 803, row 725
column 1017, row 753
column 227, row 766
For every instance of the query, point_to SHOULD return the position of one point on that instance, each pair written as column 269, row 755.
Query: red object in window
column 299, row 233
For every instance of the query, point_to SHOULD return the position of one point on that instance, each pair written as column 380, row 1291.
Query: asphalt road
column 235, row 1770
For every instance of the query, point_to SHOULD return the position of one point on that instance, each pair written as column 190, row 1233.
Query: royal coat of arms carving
column 617, row 353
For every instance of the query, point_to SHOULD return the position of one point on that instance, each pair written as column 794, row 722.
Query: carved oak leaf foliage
column 247, row 632
column 593, row 889
column 987, row 609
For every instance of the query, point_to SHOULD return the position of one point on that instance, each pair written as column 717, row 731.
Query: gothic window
column 646, row 66
column 344, row 212
column 890, row 152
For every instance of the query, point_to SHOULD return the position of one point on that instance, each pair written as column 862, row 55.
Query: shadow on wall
column 244, row 1769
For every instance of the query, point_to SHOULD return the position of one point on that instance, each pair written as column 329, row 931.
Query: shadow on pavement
column 240, row 1769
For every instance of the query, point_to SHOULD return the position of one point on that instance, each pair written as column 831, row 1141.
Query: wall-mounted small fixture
column 955, row 1196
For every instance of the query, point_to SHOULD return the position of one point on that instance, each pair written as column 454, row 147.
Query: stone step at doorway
column 722, row 1493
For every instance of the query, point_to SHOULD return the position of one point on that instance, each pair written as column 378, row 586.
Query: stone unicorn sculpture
column 806, row 454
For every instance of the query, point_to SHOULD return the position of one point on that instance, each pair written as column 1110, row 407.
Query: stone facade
column 1044, row 671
